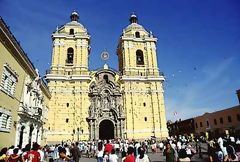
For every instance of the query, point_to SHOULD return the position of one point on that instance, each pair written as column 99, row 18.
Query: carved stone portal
column 106, row 105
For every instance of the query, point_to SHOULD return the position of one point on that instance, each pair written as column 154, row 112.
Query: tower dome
column 133, row 18
column 74, row 16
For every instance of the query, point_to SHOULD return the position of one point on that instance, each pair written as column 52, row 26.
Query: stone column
column 121, row 133
column 34, row 133
column 95, row 130
column 118, row 128
column 39, row 139
column 18, row 131
column 91, row 129
column 115, row 129
column 26, row 133
column 123, row 129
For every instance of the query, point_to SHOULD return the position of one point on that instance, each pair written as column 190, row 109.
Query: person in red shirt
column 108, row 147
column 33, row 155
column 130, row 157
column 14, row 157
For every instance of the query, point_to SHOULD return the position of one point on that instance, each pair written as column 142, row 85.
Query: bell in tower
column 138, row 65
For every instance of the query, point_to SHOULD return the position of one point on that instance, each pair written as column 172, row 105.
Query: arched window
column 139, row 57
column 71, row 31
column 105, row 77
column 70, row 55
column 137, row 35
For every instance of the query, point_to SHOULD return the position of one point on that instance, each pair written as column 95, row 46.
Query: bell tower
column 71, row 48
column 137, row 51
column 142, row 82
column 68, row 80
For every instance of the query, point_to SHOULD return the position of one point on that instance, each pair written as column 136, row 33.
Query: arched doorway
column 106, row 130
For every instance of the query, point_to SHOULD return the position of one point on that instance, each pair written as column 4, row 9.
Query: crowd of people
column 174, row 149
column 224, row 149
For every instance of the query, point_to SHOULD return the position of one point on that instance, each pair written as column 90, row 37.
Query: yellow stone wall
column 46, row 96
column 10, row 103
column 138, row 104
column 75, row 94
column 15, row 59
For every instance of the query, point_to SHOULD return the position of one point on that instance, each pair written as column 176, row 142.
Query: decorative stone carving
column 106, row 102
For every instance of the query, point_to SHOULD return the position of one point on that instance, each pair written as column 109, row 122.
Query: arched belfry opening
column 70, row 53
column 106, row 116
column 139, row 57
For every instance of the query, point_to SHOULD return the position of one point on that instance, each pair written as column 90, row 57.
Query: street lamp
column 78, row 132
column 73, row 133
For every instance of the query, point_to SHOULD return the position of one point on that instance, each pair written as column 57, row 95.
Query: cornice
column 138, row 78
column 11, row 43
column 146, row 39
column 50, row 77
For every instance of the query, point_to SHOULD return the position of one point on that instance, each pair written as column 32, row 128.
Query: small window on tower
column 67, row 120
column 145, row 118
column 137, row 35
column 139, row 57
column 67, row 104
column 144, row 104
column 71, row 32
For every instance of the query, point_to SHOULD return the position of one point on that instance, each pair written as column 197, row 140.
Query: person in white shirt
column 10, row 151
column 41, row 152
column 179, row 145
column 67, row 150
column 105, row 156
column 137, row 145
column 224, row 149
column 188, row 151
column 113, row 157
column 117, row 147
column 161, row 145
column 100, row 152
column 141, row 157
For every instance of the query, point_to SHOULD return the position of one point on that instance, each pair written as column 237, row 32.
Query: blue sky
column 198, row 42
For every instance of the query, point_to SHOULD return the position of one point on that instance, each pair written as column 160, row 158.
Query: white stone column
column 39, row 137
column 18, row 130
column 34, row 133
column 26, row 96
column 26, row 133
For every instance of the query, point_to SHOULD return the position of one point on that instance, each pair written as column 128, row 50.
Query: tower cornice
column 145, row 39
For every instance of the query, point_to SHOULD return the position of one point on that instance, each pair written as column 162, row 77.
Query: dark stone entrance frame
column 106, row 103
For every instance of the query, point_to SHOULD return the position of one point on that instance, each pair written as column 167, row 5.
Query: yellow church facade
column 105, row 104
